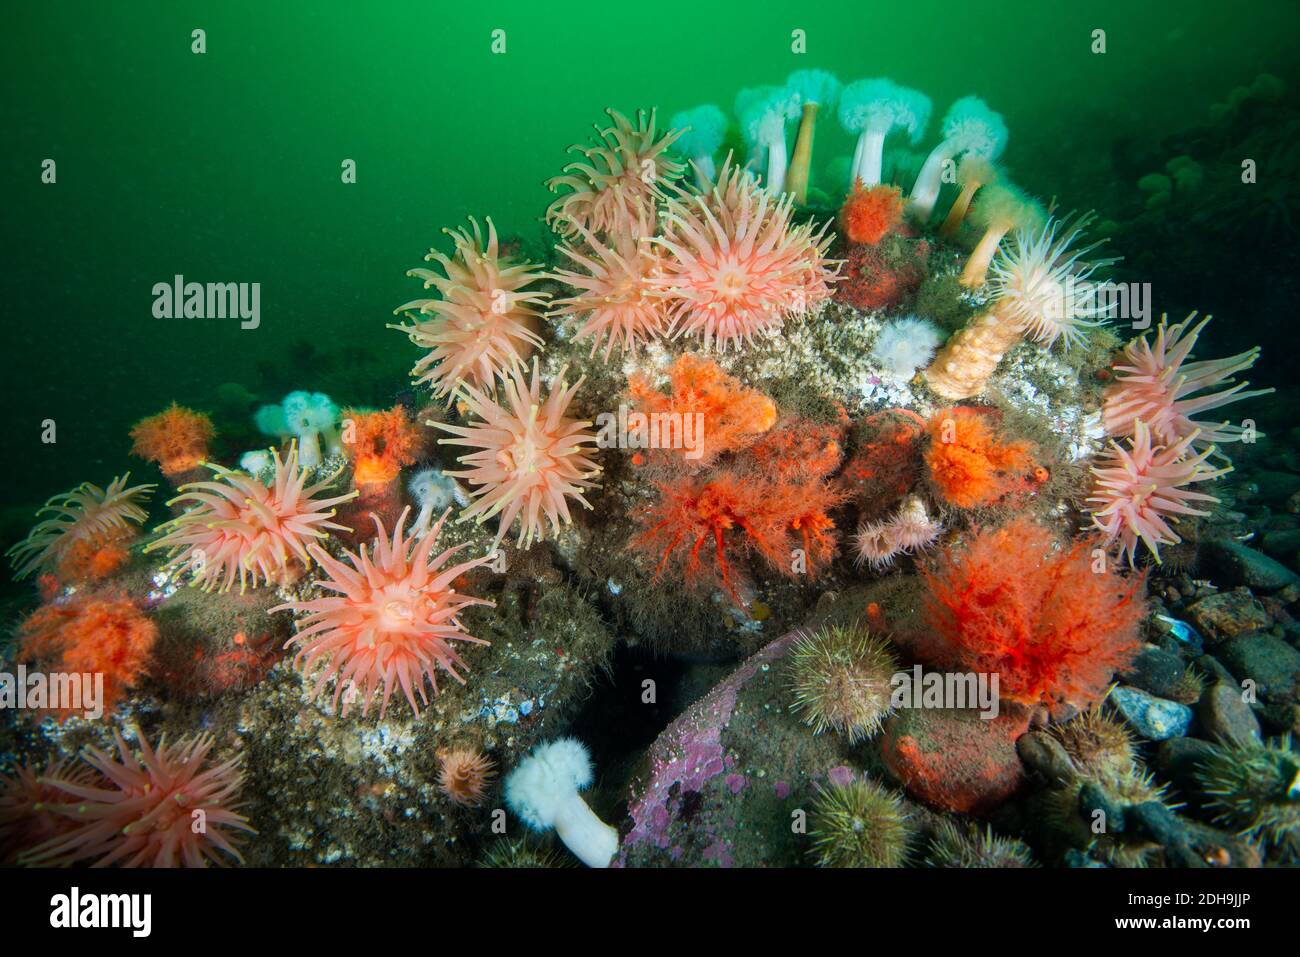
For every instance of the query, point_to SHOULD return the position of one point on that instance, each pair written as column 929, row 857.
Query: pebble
column 1238, row 564
column 1228, row 614
column 1269, row 661
column 1153, row 718
column 1276, row 486
column 1226, row 717
column 1281, row 544
column 1042, row 753
column 1155, row 670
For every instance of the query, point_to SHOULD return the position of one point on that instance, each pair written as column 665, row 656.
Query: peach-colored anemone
column 485, row 320
column 464, row 775
column 28, row 806
column 621, row 181
column 614, row 298
column 736, row 266
column 238, row 527
column 1156, row 383
column 392, row 621
column 1139, row 490
column 166, row 808
column 909, row 530
column 86, row 514
column 532, row 457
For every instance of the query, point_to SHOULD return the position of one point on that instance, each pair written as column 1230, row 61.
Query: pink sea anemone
column 164, row 809
column 485, row 320
column 88, row 516
column 239, row 527
column 909, row 530
column 29, row 807
column 392, row 621
column 737, row 267
column 615, row 295
column 1138, row 490
column 621, row 181
column 1157, row 384
column 532, row 457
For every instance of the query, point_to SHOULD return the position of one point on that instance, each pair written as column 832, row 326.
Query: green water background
column 226, row 166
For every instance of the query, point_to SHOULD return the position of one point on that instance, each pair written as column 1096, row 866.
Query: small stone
column 1093, row 798
column 1155, row 670
column 1213, row 669
column 1044, row 754
column 1154, row 820
column 1281, row 544
column 1270, row 662
column 1238, row 564
column 1153, row 718
column 1228, row 614
column 1277, row 486
column 1178, row 759
column 1226, row 717
column 954, row 759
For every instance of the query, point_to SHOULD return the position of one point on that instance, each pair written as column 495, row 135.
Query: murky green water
column 226, row 166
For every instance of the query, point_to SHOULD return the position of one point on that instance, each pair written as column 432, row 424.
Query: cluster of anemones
column 1140, row 489
column 729, row 265
column 237, row 527
column 909, row 530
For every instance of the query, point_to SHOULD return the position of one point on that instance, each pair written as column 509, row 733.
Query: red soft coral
column 734, row 415
column 176, row 438
column 379, row 444
column 732, row 515
column 886, row 463
column 970, row 463
column 883, row 275
column 1052, row 627
column 89, row 635
column 870, row 212
column 799, row 449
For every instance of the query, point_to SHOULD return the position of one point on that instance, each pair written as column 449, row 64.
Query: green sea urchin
column 966, row 846
column 860, row 824
column 522, row 853
column 840, row 679
column 1255, row 789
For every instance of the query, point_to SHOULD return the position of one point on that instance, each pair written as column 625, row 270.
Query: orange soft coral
column 380, row 444
column 93, row 561
column 799, row 449
column 734, row 415
column 1042, row 618
column 90, row 635
column 869, row 213
column 884, row 275
column 176, row 438
column 970, row 464
column 886, row 463
column 733, row 515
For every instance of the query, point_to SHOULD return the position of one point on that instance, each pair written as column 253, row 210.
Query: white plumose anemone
column 1045, row 286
